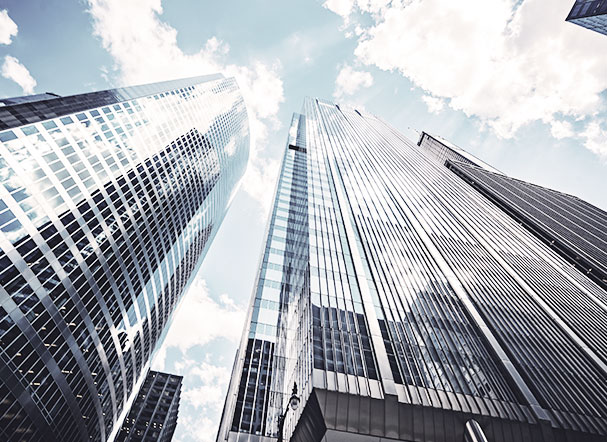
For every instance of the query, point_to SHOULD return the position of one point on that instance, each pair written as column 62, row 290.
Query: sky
column 508, row 80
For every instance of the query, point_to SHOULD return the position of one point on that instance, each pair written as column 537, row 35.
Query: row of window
column 115, row 249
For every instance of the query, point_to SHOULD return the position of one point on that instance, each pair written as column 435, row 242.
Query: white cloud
column 205, row 385
column 595, row 136
column 208, row 395
column 8, row 28
column 507, row 62
column 144, row 49
column 561, row 129
column 198, row 428
column 435, row 105
column 349, row 81
column 345, row 8
column 202, row 397
column 14, row 70
column 340, row 7
column 259, row 182
column 200, row 319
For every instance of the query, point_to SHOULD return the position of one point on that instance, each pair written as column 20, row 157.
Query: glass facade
column 406, row 306
column 153, row 415
column 108, row 203
column 590, row 14
column 574, row 228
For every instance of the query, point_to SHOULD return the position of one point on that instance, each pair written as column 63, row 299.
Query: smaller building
column 590, row 14
column 443, row 150
column 153, row 415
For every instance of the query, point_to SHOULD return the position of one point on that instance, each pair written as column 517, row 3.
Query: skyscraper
column 590, row 14
column 153, row 415
column 108, row 203
column 405, row 306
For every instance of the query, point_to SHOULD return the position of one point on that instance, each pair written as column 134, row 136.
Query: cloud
column 205, row 384
column 259, row 182
column 199, row 323
column 340, row 7
column 200, row 319
column 198, row 428
column 345, row 8
column 14, row 70
column 349, row 81
column 507, row 62
column 561, row 129
column 145, row 49
column 203, row 393
column 595, row 136
column 212, row 393
column 435, row 105
column 8, row 28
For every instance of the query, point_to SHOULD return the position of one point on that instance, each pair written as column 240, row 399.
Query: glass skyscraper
column 108, row 203
column 406, row 306
column 153, row 415
column 590, row 14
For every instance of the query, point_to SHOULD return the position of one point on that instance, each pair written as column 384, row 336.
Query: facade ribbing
column 408, row 307
column 574, row 228
column 569, row 225
column 108, row 202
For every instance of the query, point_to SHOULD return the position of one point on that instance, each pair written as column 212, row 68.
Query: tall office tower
column 405, row 306
column 153, row 415
column 108, row 202
column 590, row 14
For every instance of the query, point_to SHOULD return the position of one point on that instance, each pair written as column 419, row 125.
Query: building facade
column 574, row 228
column 590, row 14
column 406, row 306
column 108, row 203
column 153, row 415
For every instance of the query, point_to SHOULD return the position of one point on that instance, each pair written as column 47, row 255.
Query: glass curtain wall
column 108, row 203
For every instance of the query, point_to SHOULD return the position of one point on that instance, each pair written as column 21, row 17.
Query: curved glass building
column 108, row 203
column 406, row 306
